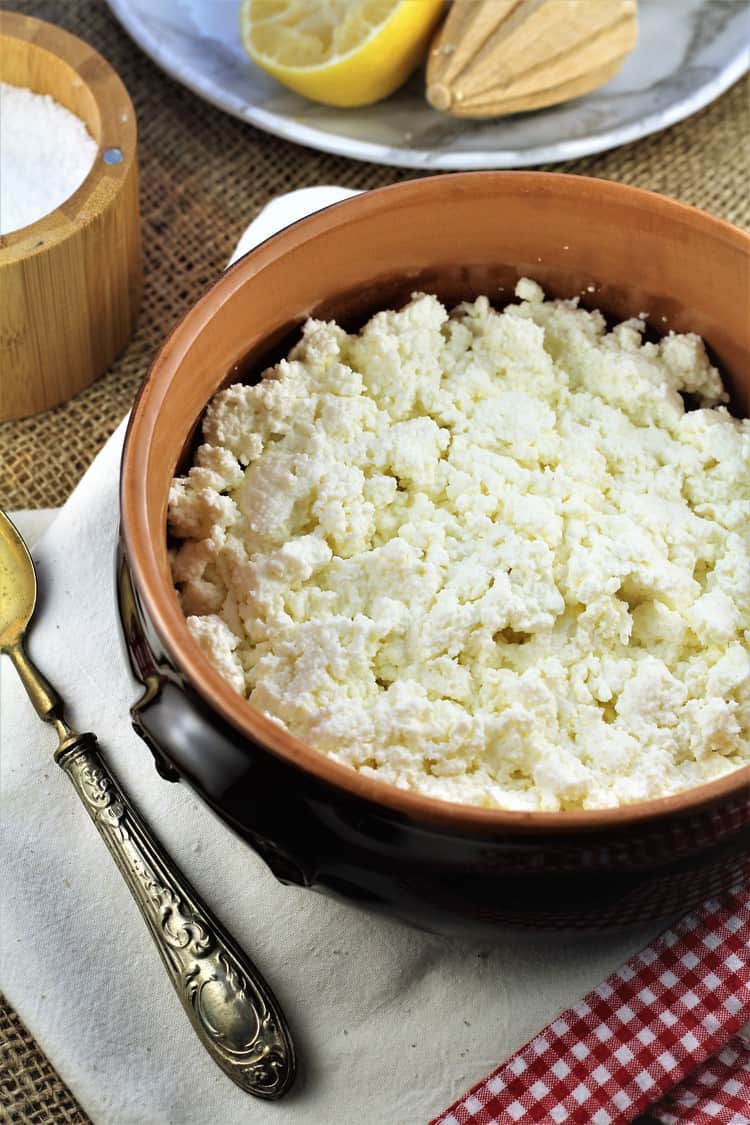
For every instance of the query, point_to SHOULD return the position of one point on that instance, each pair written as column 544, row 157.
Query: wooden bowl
column 71, row 282
column 446, row 866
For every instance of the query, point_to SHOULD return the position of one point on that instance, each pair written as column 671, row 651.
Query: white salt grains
column 46, row 152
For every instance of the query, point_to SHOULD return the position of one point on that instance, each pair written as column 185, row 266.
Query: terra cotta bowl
column 444, row 866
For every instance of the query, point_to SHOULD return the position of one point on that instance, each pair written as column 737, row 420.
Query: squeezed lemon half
column 339, row 52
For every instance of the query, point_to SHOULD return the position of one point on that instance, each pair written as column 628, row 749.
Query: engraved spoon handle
column 231, row 1008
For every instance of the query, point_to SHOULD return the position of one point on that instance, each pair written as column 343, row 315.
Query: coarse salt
column 46, row 152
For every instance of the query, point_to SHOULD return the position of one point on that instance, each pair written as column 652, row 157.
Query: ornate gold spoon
column 230, row 1006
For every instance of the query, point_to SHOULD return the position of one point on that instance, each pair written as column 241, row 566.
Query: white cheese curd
column 485, row 556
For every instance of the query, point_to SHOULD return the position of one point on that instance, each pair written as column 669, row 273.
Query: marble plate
column 689, row 52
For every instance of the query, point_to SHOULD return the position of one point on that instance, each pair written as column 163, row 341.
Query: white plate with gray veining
column 689, row 52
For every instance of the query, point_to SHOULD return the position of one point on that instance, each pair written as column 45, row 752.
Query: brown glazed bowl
column 446, row 867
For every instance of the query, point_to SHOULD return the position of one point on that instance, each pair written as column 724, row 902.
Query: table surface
column 204, row 176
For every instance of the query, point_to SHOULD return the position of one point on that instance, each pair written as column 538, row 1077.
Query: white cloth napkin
column 33, row 522
column 391, row 1024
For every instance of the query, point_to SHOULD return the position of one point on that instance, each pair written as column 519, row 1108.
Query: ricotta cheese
column 491, row 557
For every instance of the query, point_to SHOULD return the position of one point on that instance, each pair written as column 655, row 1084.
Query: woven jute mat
column 204, row 176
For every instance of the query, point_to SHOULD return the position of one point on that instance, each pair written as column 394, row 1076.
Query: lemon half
column 339, row 52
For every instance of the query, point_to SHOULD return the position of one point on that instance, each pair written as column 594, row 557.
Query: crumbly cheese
column 487, row 556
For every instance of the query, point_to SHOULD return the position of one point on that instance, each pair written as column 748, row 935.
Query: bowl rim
column 118, row 127
column 158, row 598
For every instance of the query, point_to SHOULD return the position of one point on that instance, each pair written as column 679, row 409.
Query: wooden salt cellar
column 70, row 283
column 493, row 57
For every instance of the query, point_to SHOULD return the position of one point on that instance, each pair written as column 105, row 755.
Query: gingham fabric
column 642, row 1039
column 719, row 1091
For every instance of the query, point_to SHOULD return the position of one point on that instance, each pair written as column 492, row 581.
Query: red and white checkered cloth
column 718, row 1091
column 660, row 1033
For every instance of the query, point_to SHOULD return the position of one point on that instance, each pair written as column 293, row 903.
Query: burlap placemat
column 203, row 178
column 31, row 1092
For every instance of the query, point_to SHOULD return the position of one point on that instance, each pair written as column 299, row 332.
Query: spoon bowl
column 18, row 586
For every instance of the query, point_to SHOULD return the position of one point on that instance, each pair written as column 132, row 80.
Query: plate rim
column 373, row 152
